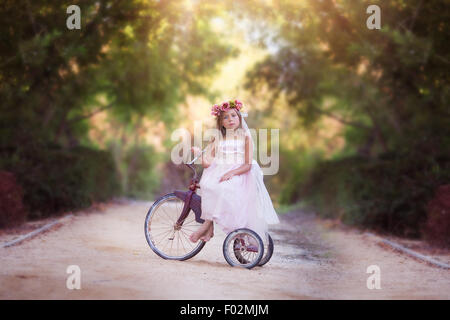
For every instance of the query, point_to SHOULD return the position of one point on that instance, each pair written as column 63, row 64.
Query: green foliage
column 56, row 180
column 12, row 210
column 142, row 174
column 389, row 194
column 388, row 84
column 389, row 88
column 132, row 59
column 142, row 56
column 293, row 171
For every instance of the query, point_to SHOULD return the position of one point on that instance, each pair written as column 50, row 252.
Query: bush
column 12, row 210
column 142, row 175
column 437, row 228
column 57, row 180
column 389, row 194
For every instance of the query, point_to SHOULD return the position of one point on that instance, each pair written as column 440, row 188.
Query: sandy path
column 310, row 261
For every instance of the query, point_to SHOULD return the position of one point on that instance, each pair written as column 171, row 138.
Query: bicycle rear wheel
column 164, row 238
column 244, row 248
column 268, row 251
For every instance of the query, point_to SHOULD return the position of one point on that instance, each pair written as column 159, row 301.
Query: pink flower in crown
column 226, row 105
column 238, row 104
column 215, row 110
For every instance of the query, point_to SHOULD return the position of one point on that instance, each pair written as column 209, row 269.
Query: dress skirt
column 240, row 202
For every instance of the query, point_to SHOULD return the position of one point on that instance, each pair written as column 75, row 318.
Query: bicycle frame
column 191, row 199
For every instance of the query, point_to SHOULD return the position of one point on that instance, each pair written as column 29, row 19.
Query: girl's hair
column 222, row 129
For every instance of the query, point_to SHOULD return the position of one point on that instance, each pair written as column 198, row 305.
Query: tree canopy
column 132, row 57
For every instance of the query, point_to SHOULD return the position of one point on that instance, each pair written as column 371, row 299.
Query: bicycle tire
column 267, row 254
column 148, row 236
column 231, row 238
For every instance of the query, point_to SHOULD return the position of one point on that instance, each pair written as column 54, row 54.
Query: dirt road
column 310, row 261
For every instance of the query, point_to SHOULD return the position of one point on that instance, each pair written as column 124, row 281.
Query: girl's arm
column 248, row 161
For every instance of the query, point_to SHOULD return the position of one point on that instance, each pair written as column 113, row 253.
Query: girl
column 232, row 188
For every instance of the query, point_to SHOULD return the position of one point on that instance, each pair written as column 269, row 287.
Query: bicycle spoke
column 190, row 230
column 189, row 222
column 183, row 246
column 179, row 209
column 163, row 248
column 162, row 238
column 167, row 243
column 171, row 245
column 187, row 239
column 180, row 242
column 184, row 234
column 161, row 221
column 161, row 228
column 177, row 248
column 163, row 232
column 155, row 226
column 168, row 215
column 161, row 235
column 252, row 256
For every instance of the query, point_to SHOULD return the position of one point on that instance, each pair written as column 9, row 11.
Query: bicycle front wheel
column 164, row 238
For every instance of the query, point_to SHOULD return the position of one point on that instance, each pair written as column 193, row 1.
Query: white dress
column 240, row 202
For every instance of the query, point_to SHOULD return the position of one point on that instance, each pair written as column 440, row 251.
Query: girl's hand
column 227, row 176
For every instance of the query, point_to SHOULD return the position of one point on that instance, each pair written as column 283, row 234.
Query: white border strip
column 412, row 253
column 32, row 233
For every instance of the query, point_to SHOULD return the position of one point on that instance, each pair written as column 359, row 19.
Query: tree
column 391, row 85
column 129, row 57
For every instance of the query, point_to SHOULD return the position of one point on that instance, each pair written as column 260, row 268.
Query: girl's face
column 230, row 119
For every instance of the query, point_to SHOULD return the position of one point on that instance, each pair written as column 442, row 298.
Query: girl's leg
column 202, row 231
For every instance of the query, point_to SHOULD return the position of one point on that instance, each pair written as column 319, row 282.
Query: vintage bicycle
column 175, row 216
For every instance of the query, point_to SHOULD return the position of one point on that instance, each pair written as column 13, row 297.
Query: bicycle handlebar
column 197, row 156
column 189, row 164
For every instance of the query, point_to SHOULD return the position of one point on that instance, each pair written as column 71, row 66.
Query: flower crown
column 226, row 105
